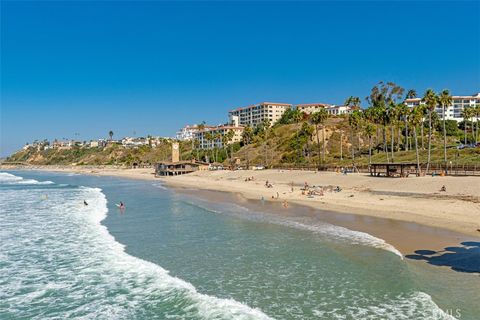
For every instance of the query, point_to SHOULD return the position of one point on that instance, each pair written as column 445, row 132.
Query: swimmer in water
column 85, row 202
column 121, row 206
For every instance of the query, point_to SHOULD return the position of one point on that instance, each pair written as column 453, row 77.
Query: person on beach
column 443, row 189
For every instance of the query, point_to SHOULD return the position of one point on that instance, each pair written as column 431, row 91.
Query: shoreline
column 406, row 231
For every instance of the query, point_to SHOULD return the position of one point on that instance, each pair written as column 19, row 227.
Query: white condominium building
column 255, row 114
column 204, row 143
column 453, row 111
column 187, row 133
column 333, row 110
column 310, row 108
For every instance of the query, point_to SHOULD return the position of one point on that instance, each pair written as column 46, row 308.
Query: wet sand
column 407, row 237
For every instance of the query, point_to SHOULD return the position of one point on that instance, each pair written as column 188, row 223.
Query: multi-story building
column 453, row 111
column 255, row 114
column 204, row 143
column 310, row 108
column 187, row 133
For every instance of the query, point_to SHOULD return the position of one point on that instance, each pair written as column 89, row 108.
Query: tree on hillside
column 353, row 102
column 369, row 132
column 217, row 139
column 467, row 114
column 477, row 115
column 247, row 137
column 392, row 121
column 297, row 116
column 411, row 94
column 265, row 131
column 110, row 133
column 431, row 101
column 306, row 132
column 354, row 120
column 208, row 136
column 403, row 111
column 319, row 118
column 445, row 100
column 381, row 96
column 416, row 118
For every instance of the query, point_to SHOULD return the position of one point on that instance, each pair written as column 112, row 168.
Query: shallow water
column 61, row 259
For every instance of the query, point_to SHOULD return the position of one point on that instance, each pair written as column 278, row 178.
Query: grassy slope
column 276, row 150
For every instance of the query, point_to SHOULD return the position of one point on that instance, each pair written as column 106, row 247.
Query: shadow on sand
column 465, row 258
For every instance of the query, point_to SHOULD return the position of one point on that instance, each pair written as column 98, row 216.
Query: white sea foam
column 159, row 185
column 330, row 231
column 403, row 307
column 66, row 250
column 71, row 264
column 8, row 178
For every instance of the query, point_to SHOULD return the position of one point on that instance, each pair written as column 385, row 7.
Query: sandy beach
column 409, row 206
column 411, row 200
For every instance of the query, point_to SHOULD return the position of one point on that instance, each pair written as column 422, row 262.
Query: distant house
column 339, row 110
column 187, row 133
column 331, row 109
column 310, row 108
column 62, row 145
column 134, row 142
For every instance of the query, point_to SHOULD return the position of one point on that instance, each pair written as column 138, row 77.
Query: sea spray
column 82, row 271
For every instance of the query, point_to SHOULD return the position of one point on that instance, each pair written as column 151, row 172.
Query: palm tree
column 217, row 140
column 353, row 102
column 369, row 131
column 416, row 118
column 110, row 133
column 354, row 120
column 266, row 130
column 297, row 116
column 230, row 134
column 196, row 145
column 477, row 115
column 209, row 137
column 445, row 100
column 431, row 101
column 319, row 118
column 411, row 94
column 403, row 112
column 247, row 138
column 466, row 115
column 392, row 121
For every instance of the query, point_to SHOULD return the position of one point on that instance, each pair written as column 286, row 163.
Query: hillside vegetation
column 387, row 131
column 283, row 145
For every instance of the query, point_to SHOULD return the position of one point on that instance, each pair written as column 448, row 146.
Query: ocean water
column 175, row 256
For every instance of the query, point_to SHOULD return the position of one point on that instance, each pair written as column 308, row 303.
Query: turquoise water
column 174, row 256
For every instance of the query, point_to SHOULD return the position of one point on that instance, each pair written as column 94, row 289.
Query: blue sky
column 89, row 67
